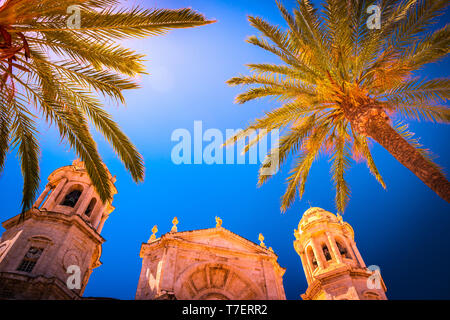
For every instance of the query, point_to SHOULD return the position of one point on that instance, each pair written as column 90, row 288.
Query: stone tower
column 58, row 238
column 208, row 264
column 333, row 266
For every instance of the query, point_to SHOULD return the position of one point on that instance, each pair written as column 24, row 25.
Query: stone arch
column 71, row 188
column 371, row 295
column 41, row 238
column 326, row 252
column 213, row 294
column 215, row 281
column 342, row 247
column 312, row 258
column 91, row 207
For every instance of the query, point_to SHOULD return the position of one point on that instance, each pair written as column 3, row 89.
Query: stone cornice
column 41, row 279
column 177, row 239
column 309, row 232
column 328, row 277
column 81, row 170
column 42, row 215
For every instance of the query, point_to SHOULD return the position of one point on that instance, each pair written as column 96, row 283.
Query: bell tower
column 331, row 261
column 50, row 252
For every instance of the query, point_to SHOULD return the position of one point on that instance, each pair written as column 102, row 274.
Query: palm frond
column 99, row 54
column 24, row 137
column 106, row 82
column 362, row 146
column 421, row 16
column 113, row 23
column 341, row 163
column 5, row 131
column 299, row 174
column 432, row 48
column 60, row 89
column 290, row 143
column 122, row 145
column 342, row 75
column 418, row 90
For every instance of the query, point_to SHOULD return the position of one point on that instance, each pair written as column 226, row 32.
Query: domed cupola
column 326, row 246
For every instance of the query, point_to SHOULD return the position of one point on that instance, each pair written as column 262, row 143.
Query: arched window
column 312, row 258
column 71, row 198
column 326, row 252
column 90, row 207
column 30, row 259
column 343, row 250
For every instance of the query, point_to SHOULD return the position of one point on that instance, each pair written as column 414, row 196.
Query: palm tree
column 50, row 66
column 340, row 83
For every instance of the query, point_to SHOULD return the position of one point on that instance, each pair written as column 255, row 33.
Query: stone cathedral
column 60, row 238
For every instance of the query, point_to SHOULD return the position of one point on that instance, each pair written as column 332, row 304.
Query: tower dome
column 315, row 215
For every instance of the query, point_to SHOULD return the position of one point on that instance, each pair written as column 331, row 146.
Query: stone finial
column 174, row 227
column 153, row 236
column 78, row 164
column 261, row 238
column 218, row 222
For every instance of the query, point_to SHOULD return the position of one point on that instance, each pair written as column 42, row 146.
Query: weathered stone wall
column 333, row 266
column 65, row 240
column 209, row 264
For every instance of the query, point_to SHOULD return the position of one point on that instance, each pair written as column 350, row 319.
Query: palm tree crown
column 50, row 66
column 340, row 84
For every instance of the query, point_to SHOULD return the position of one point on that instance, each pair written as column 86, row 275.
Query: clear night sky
column 404, row 229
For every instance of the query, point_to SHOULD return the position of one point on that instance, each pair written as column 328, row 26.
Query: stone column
column 168, row 271
column 42, row 196
column 334, row 247
column 96, row 216
column 358, row 255
column 86, row 199
column 270, row 281
column 102, row 223
column 350, row 249
column 318, row 254
column 52, row 198
column 306, row 266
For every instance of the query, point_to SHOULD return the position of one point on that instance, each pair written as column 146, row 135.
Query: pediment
column 220, row 238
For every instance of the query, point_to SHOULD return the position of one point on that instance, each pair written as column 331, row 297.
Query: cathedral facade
column 208, row 264
column 51, row 250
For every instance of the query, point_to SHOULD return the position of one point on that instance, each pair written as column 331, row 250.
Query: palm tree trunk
column 373, row 122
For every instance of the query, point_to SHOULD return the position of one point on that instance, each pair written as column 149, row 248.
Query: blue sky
column 403, row 229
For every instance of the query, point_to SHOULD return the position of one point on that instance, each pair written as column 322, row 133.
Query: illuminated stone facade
column 333, row 266
column 61, row 230
column 208, row 264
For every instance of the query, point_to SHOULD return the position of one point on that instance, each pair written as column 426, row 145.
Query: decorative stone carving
column 207, row 264
column 333, row 267
column 49, row 238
